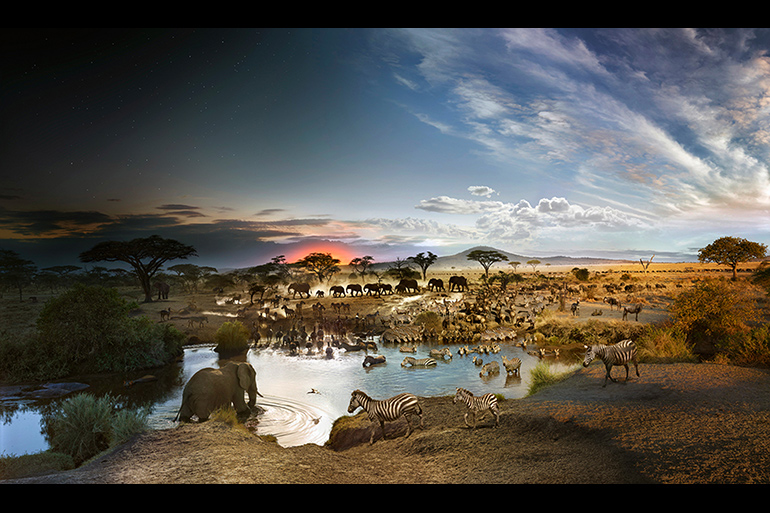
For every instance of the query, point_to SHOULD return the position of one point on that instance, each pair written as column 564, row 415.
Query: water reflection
column 303, row 394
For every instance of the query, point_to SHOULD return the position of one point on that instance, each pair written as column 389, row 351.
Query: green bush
column 86, row 425
column 231, row 336
column 88, row 329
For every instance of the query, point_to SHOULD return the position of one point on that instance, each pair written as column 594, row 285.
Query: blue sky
column 251, row 143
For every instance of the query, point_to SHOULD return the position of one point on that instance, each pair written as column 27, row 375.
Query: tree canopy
column 424, row 261
column 323, row 265
column 732, row 251
column 486, row 258
column 146, row 255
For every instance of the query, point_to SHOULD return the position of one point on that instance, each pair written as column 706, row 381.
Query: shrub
column 86, row 425
column 88, row 329
column 713, row 312
column 231, row 336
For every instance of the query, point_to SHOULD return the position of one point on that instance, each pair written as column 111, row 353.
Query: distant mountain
column 460, row 261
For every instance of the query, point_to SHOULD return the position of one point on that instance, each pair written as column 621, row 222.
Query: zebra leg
column 408, row 426
column 626, row 366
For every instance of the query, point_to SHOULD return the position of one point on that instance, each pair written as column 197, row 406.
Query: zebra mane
column 464, row 391
column 360, row 393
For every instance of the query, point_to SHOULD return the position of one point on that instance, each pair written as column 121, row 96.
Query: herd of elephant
column 456, row 283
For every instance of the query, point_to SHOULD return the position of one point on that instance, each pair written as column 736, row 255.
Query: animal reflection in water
column 380, row 411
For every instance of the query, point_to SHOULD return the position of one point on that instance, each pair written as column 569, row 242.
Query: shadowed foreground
column 678, row 423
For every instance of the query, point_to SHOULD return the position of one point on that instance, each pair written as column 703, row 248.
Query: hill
column 460, row 260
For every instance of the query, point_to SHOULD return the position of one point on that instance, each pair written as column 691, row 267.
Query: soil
column 675, row 424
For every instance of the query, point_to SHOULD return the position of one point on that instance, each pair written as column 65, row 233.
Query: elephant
column 353, row 288
column 300, row 288
column 209, row 389
column 435, row 284
column 458, row 281
column 408, row 286
column 163, row 289
column 337, row 291
column 372, row 288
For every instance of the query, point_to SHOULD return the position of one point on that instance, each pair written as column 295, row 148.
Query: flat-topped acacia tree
column 146, row 255
column 731, row 251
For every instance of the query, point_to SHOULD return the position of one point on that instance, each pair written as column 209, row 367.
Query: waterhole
column 303, row 394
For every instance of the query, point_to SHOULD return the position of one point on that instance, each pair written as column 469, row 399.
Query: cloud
column 481, row 190
column 447, row 205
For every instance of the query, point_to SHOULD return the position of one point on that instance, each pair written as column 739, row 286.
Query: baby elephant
column 210, row 389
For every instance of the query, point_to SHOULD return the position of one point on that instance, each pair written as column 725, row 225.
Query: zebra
column 617, row 354
column 401, row 405
column 418, row 362
column 477, row 404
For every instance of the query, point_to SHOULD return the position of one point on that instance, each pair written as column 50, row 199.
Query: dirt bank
column 679, row 423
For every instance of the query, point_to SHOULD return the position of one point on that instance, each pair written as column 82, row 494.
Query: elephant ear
column 244, row 376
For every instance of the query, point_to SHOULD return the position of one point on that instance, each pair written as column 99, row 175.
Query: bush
column 714, row 312
column 231, row 336
column 88, row 329
column 86, row 425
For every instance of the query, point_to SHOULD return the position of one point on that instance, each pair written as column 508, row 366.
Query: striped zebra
column 401, row 405
column 477, row 404
column 617, row 354
column 418, row 362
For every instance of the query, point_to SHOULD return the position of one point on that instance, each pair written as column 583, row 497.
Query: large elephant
column 163, row 289
column 209, row 389
column 337, row 290
column 372, row 288
column 354, row 288
column 435, row 284
column 407, row 285
column 300, row 288
column 460, row 282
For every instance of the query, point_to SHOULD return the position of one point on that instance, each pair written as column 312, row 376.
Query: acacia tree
column 361, row 265
column 16, row 271
column 486, row 258
column 323, row 265
column 424, row 262
column 731, row 251
column 146, row 255
column 191, row 275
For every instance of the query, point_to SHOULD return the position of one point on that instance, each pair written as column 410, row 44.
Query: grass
column 543, row 375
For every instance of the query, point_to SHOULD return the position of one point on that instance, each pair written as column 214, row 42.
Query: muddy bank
column 677, row 423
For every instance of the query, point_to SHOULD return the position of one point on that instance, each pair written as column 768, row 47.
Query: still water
column 303, row 394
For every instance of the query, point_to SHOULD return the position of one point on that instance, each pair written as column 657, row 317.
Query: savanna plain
column 681, row 421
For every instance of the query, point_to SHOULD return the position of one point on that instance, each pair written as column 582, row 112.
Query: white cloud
column 447, row 205
column 481, row 190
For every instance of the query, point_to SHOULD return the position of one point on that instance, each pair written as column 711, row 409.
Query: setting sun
column 336, row 249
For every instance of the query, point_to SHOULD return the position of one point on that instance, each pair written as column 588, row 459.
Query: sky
column 253, row 143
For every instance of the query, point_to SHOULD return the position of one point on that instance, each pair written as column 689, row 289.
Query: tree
column 400, row 270
column 533, row 263
column 424, row 262
column 191, row 275
column 731, row 251
column 361, row 265
column 323, row 265
column 145, row 255
column 15, row 271
column 486, row 258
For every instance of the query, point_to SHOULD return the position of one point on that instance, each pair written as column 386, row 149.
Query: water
column 293, row 414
